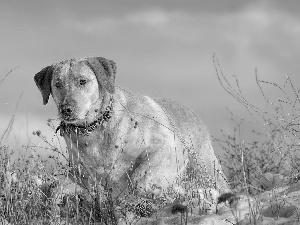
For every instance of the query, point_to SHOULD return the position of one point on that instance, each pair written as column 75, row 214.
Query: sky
column 162, row 48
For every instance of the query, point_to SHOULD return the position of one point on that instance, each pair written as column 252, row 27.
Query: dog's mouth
column 68, row 118
column 76, row 120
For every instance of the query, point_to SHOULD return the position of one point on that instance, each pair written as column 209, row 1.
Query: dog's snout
column 66, row 109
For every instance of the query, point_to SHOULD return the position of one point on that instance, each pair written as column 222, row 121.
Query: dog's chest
column 94, row 146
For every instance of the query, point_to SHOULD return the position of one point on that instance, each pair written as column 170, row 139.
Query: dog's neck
column 84, row 130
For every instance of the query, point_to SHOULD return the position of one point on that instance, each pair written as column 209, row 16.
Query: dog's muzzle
column 67, row 111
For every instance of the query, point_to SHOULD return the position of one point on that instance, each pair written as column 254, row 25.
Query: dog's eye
column 57, row 84
column 82, row 82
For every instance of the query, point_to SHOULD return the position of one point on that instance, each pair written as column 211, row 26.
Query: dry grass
column 276, row 133
column 30, row 193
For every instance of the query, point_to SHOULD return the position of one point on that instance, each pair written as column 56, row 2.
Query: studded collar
column 86, row 129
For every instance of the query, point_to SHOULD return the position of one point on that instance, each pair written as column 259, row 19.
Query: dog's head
column 78, row 86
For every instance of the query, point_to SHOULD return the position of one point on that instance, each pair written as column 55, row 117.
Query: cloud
column 271, row 35
column 106, row 25
column 244, row 25
column 256, row 35
column 99, row 25
column 152, row 18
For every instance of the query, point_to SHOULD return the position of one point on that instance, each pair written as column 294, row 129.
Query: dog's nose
column 66, row 109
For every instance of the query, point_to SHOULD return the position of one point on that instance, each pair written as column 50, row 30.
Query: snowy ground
column 278, row 206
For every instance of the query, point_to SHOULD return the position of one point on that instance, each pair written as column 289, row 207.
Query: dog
column 128, row 143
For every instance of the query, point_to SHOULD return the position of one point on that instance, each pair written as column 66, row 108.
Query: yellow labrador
column 151, row 148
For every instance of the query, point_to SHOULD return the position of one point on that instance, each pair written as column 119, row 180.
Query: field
column 262, row 171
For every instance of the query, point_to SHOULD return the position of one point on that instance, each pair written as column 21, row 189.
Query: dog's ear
column 43, row 81
column 105, row 71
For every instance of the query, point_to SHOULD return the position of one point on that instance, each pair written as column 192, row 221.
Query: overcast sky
column 163, row 48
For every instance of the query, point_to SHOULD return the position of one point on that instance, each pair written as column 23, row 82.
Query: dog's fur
column 155, row 147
